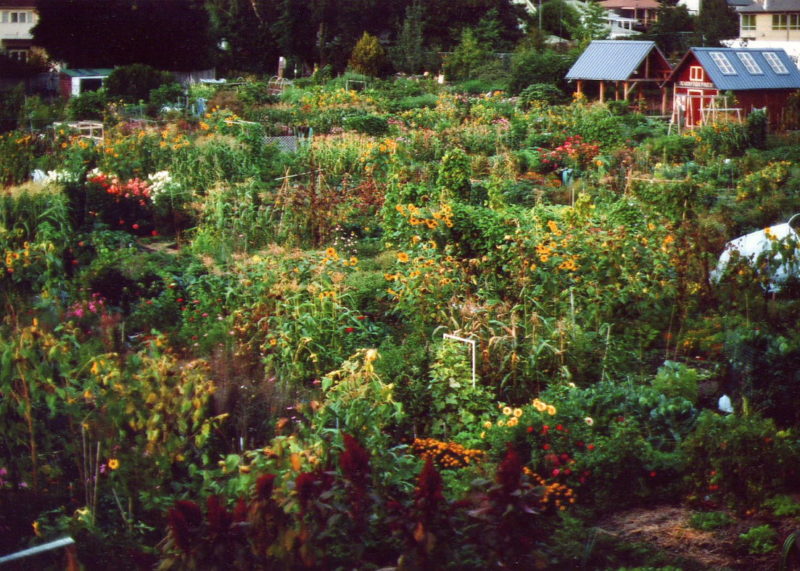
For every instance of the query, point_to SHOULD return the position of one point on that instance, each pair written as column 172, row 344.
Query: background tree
column 368, row 56
column 716, row 22
column 592, row 23
column 560, row 19
column 530, row 66
column 408, row 54
column 673, row 30
column 468, row 56
column 247, row 29
column 172, row 35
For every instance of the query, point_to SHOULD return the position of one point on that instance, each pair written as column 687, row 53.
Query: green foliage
column 541, row 92
column 454, row 175
column 760, row 539
column 531, row 66
column 757, row 123
column 783, row 505
column 89, row 105
column 677, row 380
column 134, row 82
column 456, row 404
column 468, row 56
column 374, row 125
column 738, row 461
column 709, row 521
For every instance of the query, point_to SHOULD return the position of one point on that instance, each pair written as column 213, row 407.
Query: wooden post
column 580, row 87
column 602, row 91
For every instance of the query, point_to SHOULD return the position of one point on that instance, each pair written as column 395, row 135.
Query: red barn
column 757, row 78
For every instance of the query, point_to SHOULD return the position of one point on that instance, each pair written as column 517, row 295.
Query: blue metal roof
column 738, row 76
column 610, row 60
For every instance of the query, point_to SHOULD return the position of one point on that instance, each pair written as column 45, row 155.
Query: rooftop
column 612, row 60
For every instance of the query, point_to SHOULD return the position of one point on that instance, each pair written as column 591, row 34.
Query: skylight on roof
column 723, row 63
column 775, row 63
column 749, row 63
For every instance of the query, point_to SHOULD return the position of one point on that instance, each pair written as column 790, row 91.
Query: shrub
column 89, row 105
column 531, row 66
column 544, row 92
column 134, row 82
column 369, row 124
column 368, row 56
column 738, row 461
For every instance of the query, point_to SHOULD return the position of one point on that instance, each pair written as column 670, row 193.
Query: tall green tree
column 408, row 54
column 468, row 56
column 673, row 31
column 717, row 21
column 172, row 35
column 244, row 30
column 592, row 23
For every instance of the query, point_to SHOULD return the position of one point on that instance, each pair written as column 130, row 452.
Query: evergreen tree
column 716, row 22
column 368, row 56
column 409, row 55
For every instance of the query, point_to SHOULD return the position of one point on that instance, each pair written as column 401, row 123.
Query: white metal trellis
column 471, row 343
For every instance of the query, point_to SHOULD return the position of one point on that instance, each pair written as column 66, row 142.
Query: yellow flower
column 517, row 412
column 507, row 410
column 512, row 421
column 113, row 464
column 589, row 420
column 353, row 260
column 551, row 410
column 331, row 253
column 539, row 405
column 402, row 257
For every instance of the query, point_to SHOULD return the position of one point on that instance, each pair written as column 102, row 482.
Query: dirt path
column 668, row 529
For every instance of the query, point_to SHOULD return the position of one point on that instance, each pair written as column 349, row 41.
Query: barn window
column 723, row 63
column 696, row 73
column 749, row 63
column 775, row 63
column 748, row 22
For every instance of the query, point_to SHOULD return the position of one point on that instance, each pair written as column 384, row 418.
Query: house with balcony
column 635, row 15
column 17, row 19
column 769, row 24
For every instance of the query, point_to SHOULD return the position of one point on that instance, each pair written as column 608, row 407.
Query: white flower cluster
column 54, row 176
column 161, row 184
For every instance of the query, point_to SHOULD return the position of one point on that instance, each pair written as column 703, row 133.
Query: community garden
column 439, row 329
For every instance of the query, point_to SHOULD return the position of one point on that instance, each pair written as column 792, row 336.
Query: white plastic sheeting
column 753, row 245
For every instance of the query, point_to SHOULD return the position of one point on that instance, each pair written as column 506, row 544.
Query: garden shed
column 629, row 65
column 73, row 82
column 756, row 78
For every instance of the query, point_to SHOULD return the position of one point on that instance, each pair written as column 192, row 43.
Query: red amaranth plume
column 179, row 529
column 510, row 471
column 354, row 460
column 191, row 512
column 219, row 520
column 264, row 486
